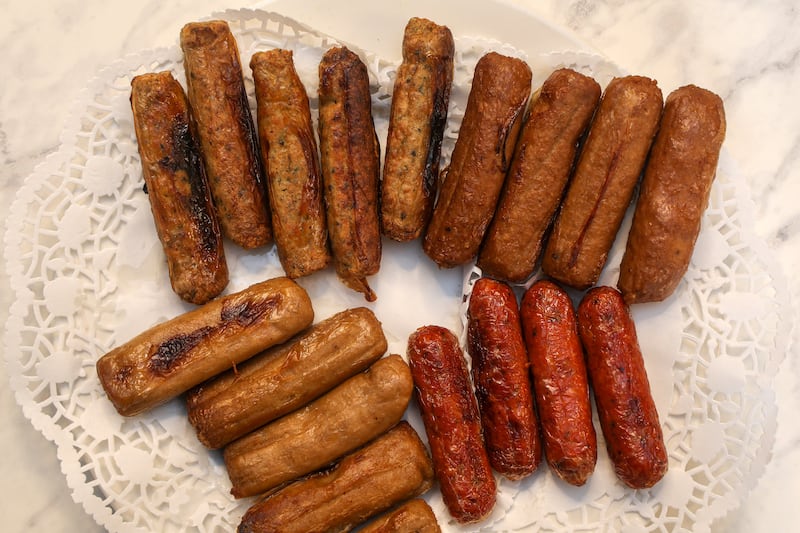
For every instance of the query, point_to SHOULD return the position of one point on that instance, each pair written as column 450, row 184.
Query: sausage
column 291, row 162
column 559, row 116
column 625, row 406
column 560, row 381
column 502, row 385
column 472, row 182
column 414, row 516
column 176, row 184
column 673, row 196
column 350, row 156
column 390, row 469
column 338, row 422
column 606, row 175
column 417, row 120
column 221, row 111
column 174, row 356
column 285, row 377
column 452, row 422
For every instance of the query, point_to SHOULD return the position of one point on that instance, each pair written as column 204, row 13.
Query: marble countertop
column 746, row 51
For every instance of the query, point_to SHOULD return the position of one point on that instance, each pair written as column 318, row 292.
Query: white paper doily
column 88, row 274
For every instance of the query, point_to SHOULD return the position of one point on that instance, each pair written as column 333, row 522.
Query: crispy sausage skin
column 416, row 126
column 452, row 422
column 674, row 195
column 227, row 135
column 560, row 381
column 174, row 356
column 176, row 185
column 285, row 377
column 495, row 107
column 350, row 157
column 414, row 516
column 606, row 175
column 559, row 116
column 627, row 412
column 502, row 385
column 291, row 162
column 338, row 422
column 390, row 469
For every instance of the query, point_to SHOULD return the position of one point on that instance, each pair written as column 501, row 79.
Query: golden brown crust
column 414, row 516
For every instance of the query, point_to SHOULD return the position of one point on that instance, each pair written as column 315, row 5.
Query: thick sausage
column 545, row 154
column 452, row 422
column 606, row 175
column 560, row 381
column 502, row 385
column 174, row 356
column 416, row 126
column 674, row 195
column 627, row 412
column 227, row 135
column 414, row 516
column 176, row 185
column 481, row 157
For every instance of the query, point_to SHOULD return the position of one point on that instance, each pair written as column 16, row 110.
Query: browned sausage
column 627, row 412
column 502, row 385
column 608, row 169
column 559, row 381
column 452, row 422
column 414, row 516
column 674, row 195
column 291, row 162
column 416, row 126
column 227, row 135
column 176, row 185
column 545, row 154
column 473, row 180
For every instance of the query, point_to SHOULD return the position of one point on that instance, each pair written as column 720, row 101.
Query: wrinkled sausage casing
column 560, row 381
column 350, row 157
column 221, row 112
column 472, row 182
column 502, row 385
column 416, row 126
column 543, row 160
column 177, row 188
column 605, row 178
column 414, row 516
column 291, row 162
column 452, row 422
column 627, row 412
column 674, row 195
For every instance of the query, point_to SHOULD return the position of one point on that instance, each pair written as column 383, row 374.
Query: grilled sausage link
column 502, row 385
column 227, row 135
column 560, row 381
column 416, row 126
column 176, row 185
column 674, row 195
column 170, row 358
column 608, row 169
column 452, row 422
column 414, row 516
column 627, row 412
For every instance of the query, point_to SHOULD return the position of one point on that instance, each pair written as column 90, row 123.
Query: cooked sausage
column 500, row 89
column 350, row 157
column 170, row 358
column 502, row 385
column 674, row 195
column 625, row 406
column 291, row 162
column 175, row 180
column 285, row 377
column 390, row 469
column 414, row 516
column 338, row 422
column 416, row 126
column 560, row 381
column 559, row 115
column 227, row 135
column 452, row 422
column 606, row 175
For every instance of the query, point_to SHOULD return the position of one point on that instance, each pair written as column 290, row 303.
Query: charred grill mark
column 247, row 312
column 438, row 122
column 169, row 353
